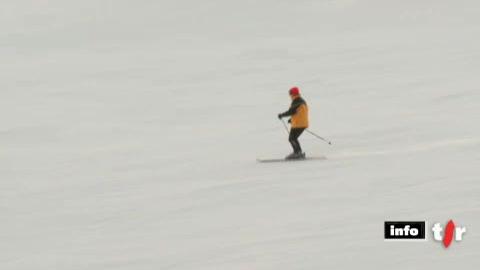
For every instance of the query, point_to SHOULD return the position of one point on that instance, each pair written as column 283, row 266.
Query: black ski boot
column 298, row 155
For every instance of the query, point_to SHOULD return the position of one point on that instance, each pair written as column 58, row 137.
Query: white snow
column 129, row 132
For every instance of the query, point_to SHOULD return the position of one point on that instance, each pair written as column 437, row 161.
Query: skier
column 299, row 122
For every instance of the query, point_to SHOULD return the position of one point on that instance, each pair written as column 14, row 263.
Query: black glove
column 280, row 116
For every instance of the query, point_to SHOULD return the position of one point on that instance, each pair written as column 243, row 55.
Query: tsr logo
column 448, row 235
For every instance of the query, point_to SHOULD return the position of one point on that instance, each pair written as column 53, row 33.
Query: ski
column 272, row 160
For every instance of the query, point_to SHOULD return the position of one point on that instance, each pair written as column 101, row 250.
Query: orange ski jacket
column 298, row 112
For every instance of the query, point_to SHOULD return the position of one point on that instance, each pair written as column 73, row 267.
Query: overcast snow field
column 129, row 132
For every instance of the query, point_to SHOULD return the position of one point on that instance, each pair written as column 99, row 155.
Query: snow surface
column 129, row 132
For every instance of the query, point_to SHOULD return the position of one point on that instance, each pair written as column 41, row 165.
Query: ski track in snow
column 423, row 147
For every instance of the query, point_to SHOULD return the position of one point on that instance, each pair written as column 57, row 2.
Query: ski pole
column 285, row 126
column 320, row 137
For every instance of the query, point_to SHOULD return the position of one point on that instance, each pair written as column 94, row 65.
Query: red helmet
column 294, row 91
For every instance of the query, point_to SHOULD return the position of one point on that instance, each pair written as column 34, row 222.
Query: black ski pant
column 293, row 139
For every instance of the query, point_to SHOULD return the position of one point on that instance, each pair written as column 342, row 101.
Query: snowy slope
column 129, row 132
